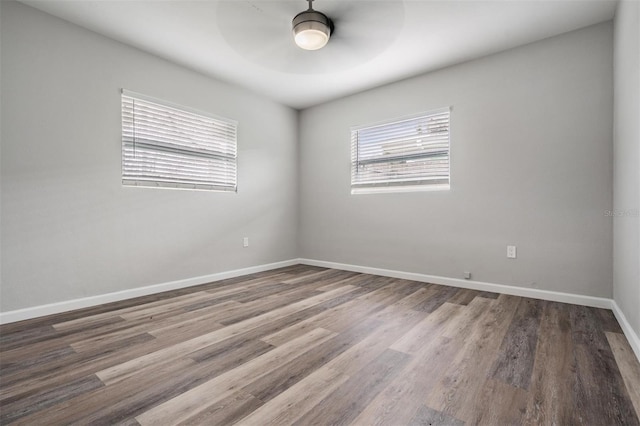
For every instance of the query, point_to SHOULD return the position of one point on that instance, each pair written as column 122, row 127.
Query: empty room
column 329, row 212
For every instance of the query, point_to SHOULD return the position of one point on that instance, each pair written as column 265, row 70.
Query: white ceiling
column 249, row 42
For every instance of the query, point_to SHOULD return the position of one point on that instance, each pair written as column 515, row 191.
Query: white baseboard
column 555, row 296
column 86, row 302
column 630, row 334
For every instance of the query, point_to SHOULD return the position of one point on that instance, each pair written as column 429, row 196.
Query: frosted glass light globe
column 311, row 30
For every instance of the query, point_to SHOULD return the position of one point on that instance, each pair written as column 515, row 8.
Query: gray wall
column 69, row 228
column 626, row 180
column 531, row 165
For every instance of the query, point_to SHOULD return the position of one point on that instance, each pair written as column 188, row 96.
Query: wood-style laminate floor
column 305, row 345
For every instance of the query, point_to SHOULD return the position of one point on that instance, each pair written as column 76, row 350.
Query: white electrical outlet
column 467, row 275
column 511, row 252
column 245, row 242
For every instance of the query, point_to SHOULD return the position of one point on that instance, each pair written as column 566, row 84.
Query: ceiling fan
column 261, row 32
column 311, row 29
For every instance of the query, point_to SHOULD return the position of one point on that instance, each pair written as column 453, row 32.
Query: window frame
column 391, row 186
column 131, row 181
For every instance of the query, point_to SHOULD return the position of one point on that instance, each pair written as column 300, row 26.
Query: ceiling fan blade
column 260, row 31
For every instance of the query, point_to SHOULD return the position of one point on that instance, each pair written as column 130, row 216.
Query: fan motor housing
column 312, row 16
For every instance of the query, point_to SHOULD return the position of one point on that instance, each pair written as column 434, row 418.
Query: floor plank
column 551, row 393
column 515, row 359
column 291, row 404
column 189, row 404
column 629, row 367
column 15, row 408
column 600, row 392
column 428, row 416
column 464, row 379
column 343, row 404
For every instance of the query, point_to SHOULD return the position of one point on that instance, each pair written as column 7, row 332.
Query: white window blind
column 165, row 145
column 407, row 154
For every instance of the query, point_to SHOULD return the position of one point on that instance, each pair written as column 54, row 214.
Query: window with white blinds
column 402, row 155
column 165, row 145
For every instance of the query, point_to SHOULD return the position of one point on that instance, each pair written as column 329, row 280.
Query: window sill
column 391, row 189
column 179, row 186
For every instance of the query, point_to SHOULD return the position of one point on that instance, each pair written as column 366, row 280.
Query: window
column 165, row 145
column 402, row 155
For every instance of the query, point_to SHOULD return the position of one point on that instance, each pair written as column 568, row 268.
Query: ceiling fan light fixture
column 311, row 29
